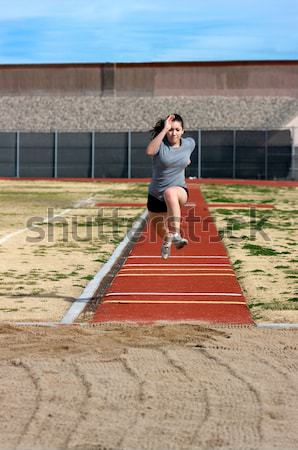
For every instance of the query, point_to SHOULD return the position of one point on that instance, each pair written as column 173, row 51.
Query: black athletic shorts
column 158, row 206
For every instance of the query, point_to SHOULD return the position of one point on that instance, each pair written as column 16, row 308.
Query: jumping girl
column 167, row 190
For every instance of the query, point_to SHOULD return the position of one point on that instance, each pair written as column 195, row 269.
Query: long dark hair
column 159, row 126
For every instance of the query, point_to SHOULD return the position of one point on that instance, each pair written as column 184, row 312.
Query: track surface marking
column 197, row 283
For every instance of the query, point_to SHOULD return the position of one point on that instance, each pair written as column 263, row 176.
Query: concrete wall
column 85, row 113
column 251, row 78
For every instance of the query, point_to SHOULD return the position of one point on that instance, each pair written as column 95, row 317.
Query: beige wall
column 261, row 78
column 49, row 79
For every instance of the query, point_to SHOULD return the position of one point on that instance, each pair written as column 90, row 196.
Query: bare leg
column 175, row 197
column 158, row 224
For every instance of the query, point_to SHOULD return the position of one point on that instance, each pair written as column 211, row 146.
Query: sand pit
column 162, row 387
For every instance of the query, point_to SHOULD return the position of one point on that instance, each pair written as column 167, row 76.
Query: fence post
column 56, row 155
column 266, row 154
column 199, row 154
column 129, row 155
column 294, row 136
column 234, row 153
column 92, row 153
column 18, row 155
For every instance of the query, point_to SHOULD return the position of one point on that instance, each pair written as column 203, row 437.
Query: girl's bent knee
column 170, row 194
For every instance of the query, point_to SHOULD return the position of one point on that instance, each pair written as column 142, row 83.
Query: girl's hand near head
column 169, row 121
column 154, row 145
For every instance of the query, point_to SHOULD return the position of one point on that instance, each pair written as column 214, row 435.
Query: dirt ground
column 45, row 268
column 161, row 387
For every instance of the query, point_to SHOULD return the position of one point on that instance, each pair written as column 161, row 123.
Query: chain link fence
column 245, row 154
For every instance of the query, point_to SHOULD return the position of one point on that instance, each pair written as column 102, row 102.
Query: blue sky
column 65, row 31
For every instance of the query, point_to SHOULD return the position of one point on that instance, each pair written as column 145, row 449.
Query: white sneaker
column 179, row 241
column 166, row 248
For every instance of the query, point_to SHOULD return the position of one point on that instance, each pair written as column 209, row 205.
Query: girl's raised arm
column 154, row 145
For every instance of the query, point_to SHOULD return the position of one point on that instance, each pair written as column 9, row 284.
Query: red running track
column 197, row 283
column 289, row 183
column 210, row 205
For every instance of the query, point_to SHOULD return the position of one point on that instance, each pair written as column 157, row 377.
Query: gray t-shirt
column 168, row 166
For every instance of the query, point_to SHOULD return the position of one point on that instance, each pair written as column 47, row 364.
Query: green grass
column 253, row 305
column 139, row 191
column 222, row 199
column 225, row 212
column 278, row 306
column 235, row 224
column 88, row 277
column 257, row 250
column 275, row 305
column 103, row 258
column 237, row 263
column 9, row 309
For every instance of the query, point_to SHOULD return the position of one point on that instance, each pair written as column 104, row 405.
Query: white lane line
column 46, row 220
column 80, row 303
column 15, row 233
column 149, row 269
column 178, row 275
column 179, row 265
column 177, row 302
column 175, row 293
column 194, row 256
